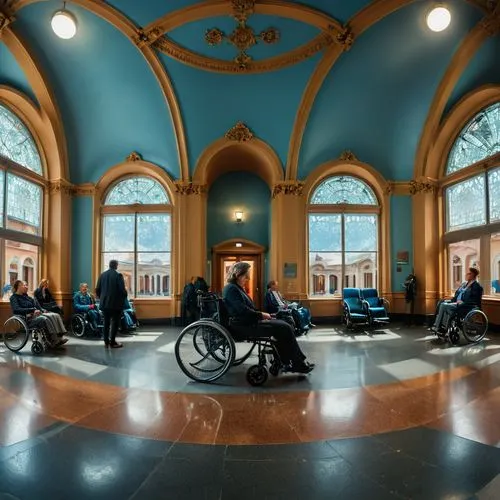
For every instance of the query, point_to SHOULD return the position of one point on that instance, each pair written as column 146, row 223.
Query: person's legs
column 445, row 311
column 105, row 331
column 448, row 312
column 115, row 317
column 439, row 316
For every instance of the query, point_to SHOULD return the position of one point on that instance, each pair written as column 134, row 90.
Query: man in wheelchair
column 85, row 304
column 467, row 297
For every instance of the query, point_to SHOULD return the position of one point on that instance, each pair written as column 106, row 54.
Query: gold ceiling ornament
column 240, row 133
column 148, row 37
column 345, row 38
column 293, row 188
column 348, row 155
column 7, row 9
column 423, row 185
column 188, row 188
column 133, row 156
column 243, row 36
column 491, row 23
column 389, row 188
column 60, row 186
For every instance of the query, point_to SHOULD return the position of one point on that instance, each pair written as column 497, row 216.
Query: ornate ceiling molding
column 491, row 23
column 7, row 10
column 133, row 156
column 60, row 186
column 293, row 188
column 188, row 188
column 423, row 185
column 332, row 32
column 87, row 189
column 240, row 133
column 348, row 155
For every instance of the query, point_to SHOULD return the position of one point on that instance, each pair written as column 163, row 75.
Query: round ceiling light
column 64, row 24
column 438, row 19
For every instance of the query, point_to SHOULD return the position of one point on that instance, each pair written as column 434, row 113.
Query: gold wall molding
column 397, row 188
column 86, row 189
column 240, row 133
column 60, row 186
column 186, row 56
column 424, row 185
column 133, row 156
column 460, row 61
column 293, row 188
column 188, row 188
column 348, row 155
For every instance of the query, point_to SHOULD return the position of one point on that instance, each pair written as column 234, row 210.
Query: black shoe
column 304, row 368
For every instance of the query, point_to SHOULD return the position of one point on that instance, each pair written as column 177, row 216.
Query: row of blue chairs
column 363, row 306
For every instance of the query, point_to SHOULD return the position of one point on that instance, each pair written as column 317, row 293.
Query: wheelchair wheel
column 475, row 326
column 204, row 351
column 15, row 333
column 37, row 347
column 257, row 375
column 78, row 326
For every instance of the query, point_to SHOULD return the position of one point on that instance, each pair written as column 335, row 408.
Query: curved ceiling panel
column 110, row 101
column 292, row 34
column 340, row 9
column 12, row 75
column 147, row 11
column 483, row 69
column 376, row 99
column 212, row 103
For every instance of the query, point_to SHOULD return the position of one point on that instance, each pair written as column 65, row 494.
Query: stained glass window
column 466, row 203
column 141, row 190
column 494, row 194
column 17, row 143
column 24, row 204
column 479, row 139
column 343, row 189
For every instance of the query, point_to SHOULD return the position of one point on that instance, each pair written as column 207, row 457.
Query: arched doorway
column 225, row 254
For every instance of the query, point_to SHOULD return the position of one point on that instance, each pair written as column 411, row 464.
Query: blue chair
column 375, row 306
column 354, row 310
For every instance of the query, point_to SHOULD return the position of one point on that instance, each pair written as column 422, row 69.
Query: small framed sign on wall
column 402, row 257
column 290, row 270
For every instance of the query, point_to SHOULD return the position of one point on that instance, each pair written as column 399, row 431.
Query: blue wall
column 11, row 73
column 401, row 238
column 81, row 241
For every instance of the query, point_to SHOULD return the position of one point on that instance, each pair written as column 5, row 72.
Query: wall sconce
column 239, row 245
column 238, row 215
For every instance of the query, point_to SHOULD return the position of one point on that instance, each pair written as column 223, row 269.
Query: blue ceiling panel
column 11, row 73
column 483, row 68
column 342, row 10
column 376, row 98
column 146, row 11
column 110, row 101
column 292, row 35
column 212, row 103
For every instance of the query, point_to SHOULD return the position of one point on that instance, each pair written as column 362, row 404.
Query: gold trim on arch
column 129, row 29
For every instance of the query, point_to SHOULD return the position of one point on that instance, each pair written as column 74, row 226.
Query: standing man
column 112, row 294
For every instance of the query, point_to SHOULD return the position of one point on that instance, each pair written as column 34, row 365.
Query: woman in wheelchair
column 23, row 305
column 84, row 303
column 248, row 323
column 44, row 297
column 467, row 296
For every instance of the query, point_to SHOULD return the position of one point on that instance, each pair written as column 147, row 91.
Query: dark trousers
column 287, row 346
column 111, row 322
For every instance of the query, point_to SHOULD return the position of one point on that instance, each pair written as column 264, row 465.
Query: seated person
column 246, row 322
column 467, row 296
column 129, row 319
column 83, row 302
column 274, row 302
column 44, row 297
column 23, row 305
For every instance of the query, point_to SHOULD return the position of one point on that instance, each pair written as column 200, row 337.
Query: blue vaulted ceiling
column 374, row 101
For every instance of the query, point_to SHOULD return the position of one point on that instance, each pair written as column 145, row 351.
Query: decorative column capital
column 133, row 156
column 294, row 188
column 60, row 186
column 187, row 188
column 423, row 185
column 348, row 155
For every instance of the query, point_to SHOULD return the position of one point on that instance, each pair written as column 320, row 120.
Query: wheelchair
column 364, row 307
column 16, row 334
column 472, row 323
column 205, row 350
column 80, row 326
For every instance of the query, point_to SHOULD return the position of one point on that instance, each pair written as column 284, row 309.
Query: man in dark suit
column 467, row 296
column 112, row 294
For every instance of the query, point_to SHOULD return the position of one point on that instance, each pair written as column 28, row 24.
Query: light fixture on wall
column 64, row 23
column 239, row 245
column 238, row 215
column 439, row 18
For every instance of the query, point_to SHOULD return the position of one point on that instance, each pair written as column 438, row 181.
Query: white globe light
column 438, row 19
column 64, row 24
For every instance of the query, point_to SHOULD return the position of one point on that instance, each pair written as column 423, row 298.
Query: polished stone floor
column 391, row 414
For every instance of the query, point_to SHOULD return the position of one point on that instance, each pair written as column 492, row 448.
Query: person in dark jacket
column 467, row 296
column 246, row 322
column 190, row 311
column 23, row 305
column 112, row 293
column 44, row 297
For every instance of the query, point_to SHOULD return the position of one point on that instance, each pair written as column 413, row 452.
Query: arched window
column 136, row 231
column 343, row 235
column 472, row 197
column 21, row 201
